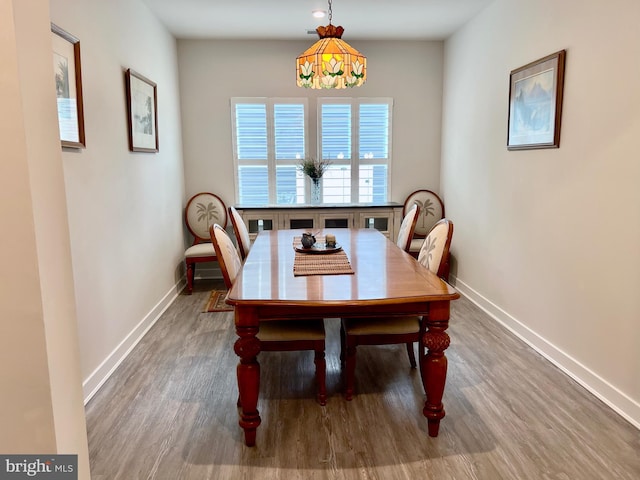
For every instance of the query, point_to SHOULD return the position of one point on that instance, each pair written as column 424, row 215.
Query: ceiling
column 291, row 19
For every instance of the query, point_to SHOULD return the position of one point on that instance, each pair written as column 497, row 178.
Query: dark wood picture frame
column 68, row 77
column 535, row 103
column 142, row 112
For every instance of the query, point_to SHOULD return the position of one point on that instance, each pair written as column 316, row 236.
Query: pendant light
column 331, row 62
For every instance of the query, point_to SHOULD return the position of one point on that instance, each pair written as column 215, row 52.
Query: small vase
column 316, row 192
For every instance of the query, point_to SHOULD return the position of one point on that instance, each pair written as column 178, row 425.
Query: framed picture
column 68, row 80
column 535, row 104
column 142, row 112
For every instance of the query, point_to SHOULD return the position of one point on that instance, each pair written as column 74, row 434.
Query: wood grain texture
column 267, row 288
column 384, row 275
column 169, row 411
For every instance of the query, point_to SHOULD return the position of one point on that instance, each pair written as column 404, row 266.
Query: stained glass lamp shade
column 331, row 62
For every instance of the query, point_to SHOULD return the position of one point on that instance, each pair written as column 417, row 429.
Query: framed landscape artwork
column 142, row 112
column 535, row 104
column 68, row 80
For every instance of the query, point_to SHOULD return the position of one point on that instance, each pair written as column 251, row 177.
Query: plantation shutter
column 269, row 138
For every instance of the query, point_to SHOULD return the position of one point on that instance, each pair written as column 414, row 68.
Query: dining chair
column 431, row 210
column 407, row 227
column 240, row 231
column 276, row 335
column 202, row 210
column 391, row 330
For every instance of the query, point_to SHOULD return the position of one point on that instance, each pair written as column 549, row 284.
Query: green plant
column 314, row 168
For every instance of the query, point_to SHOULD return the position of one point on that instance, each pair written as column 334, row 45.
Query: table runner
column 320, row 263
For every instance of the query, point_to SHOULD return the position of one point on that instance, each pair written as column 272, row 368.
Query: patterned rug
column 216, row 302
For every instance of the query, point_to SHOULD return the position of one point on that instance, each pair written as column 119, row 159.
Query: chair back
column 434, row 253
column 227, row 254
column 407, row 227
column 241, row 232
column 203, row 210
column 431, row 210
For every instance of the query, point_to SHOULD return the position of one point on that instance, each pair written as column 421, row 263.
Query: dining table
column 383, row 280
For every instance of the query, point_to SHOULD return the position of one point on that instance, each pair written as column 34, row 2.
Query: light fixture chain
column 330, row 12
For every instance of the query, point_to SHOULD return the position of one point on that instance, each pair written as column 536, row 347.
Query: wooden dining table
column 385, row 281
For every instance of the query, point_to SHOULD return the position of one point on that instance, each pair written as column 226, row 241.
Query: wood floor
column 169, row 411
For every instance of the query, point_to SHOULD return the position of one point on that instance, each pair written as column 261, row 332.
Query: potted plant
column 314, row 169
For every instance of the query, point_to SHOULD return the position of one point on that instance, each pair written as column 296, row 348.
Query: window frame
column 354, row 162
column 315, row 138
column 271, row 162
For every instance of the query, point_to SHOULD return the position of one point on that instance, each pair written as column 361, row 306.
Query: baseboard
column 100, row 375
column 621, row 403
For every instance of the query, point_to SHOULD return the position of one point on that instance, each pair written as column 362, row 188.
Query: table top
column 384, row 275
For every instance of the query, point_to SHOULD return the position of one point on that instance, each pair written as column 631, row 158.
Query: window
column 269, row 139
column 270, row 136
column 355, row 135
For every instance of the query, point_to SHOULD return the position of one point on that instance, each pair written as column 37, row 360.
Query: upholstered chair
column 276, row 335
column 202, row 210
column 434, row 253
column 390, row 330
column 431, row 210
column 407, row 227
column 241, row 232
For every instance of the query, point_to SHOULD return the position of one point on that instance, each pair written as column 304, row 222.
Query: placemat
column 320, row 264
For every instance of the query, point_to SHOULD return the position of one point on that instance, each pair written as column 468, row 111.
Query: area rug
column 216, row 302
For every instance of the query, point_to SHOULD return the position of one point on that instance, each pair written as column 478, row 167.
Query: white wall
column 547, row 240
column 213, row 71
column 42, row 409
column 125, row 209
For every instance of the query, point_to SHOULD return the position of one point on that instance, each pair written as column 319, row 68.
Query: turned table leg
column 433, row 365
column 247, row 347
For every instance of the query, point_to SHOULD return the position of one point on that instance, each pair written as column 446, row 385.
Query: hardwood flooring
column 169, row 411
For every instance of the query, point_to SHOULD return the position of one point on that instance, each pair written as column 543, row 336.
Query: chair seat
column 381, row 326
column 200, row 250
column 285, row 330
